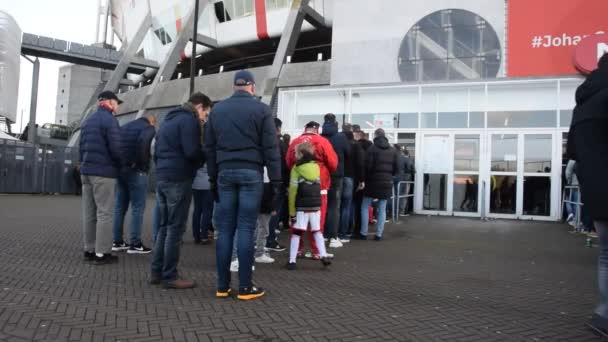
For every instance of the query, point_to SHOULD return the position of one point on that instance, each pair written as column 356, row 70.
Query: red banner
column 543, row 34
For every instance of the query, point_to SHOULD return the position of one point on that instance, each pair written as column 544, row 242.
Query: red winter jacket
column 324, row 154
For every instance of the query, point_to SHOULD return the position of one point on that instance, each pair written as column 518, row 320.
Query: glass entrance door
column 465, row 183
column 520, row 178
column 450, row 174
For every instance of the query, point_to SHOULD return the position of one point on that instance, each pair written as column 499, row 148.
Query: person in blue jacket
column 132, row 184
column 178, row 154
column 100, row 163
column 240, row 139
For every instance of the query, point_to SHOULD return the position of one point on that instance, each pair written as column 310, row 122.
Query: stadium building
column 480, row 91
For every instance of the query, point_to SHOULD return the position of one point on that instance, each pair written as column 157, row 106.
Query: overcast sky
column 71, row 20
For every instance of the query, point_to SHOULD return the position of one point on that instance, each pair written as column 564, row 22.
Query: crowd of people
column 243, row 175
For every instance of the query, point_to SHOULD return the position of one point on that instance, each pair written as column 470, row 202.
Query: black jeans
column 334, row 197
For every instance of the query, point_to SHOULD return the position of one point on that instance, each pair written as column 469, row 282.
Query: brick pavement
column 432, row 279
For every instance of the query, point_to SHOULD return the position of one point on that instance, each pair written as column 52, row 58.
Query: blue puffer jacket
column 136, row 137
column 177, row 152
column 340, row 144
column 100, row 153
column 240, row 134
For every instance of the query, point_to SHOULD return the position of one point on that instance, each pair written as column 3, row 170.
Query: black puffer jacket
column 588, row 140
column 382, row 163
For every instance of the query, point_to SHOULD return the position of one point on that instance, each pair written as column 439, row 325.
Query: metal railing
column 569, row 191
column 396, row 198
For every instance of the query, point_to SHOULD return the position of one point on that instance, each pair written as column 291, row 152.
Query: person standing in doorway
column 342, row 148
column 132, row 184
column 178, row 155
column 100, row 163
column 327, row 160
column 240, row 139
column 588, row 145
column 382, row 163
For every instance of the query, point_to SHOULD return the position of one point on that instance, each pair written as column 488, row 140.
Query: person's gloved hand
column 277, row 187
column 214, row 191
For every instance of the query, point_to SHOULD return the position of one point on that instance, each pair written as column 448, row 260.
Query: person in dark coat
column 100, row 163
column 240, row 139
column 342, row 149
column 363, row 144
column 588, row 144
column 132, row 183
column 382, row 163
column 271, row 242
column 178, row 155
column 353, row 172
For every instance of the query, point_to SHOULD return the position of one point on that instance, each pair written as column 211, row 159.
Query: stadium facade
column 480, row 91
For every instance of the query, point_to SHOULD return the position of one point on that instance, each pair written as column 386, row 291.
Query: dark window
column 451, row 44
column 220, row 12
column 163, row 36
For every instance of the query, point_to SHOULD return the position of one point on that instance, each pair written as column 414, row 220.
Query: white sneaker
column 335, row 243
column 345, row 240
column 570, row 217
column 329, row 255
column 234, row 266
column 264, row 259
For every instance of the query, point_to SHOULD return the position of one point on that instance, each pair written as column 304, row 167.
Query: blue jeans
column 571, row 208
column 240, row 195
column 201, row 216
column 156, row 218
column 274, row 220
column 602, row 276
column 345, row 210
column 367, row 201
column 131, row 187
column 334, row 197
column 174, row 205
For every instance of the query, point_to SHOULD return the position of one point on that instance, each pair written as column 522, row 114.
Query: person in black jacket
column 178, row 155
column 334, row 196
column 100, row 162
column 353, row 172
column 240, row 139
column 272, row 243
column 132, row 184
column 382, row 163
column 588, row 145
column 362, row 145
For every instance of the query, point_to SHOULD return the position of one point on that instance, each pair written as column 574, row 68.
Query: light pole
column 194, row 40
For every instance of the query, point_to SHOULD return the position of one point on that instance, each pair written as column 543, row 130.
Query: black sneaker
column 326, row 261
column 362, row 237
column 275, row 247
column 155, row 279
column 599, row 325
column 119, row 246
column 291, row 266
column 89, row 256
column 377, row 238
column 141, row 249
column 250, row 293
column 105, row 259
